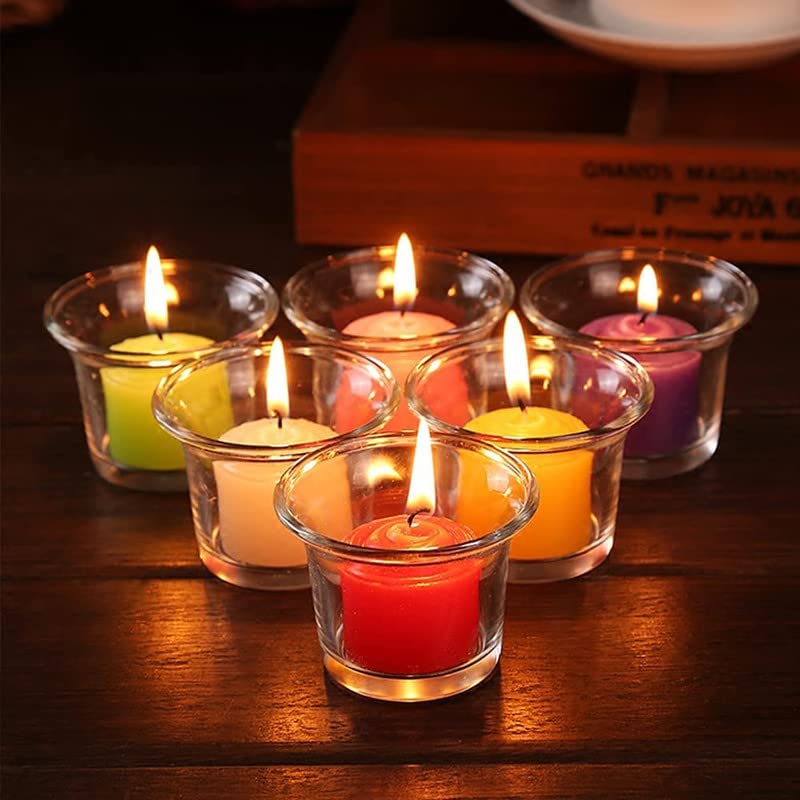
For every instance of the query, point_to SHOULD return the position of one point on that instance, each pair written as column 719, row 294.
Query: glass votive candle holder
column 99, row 318
column 583, row 402
column 460, row 296
column 702, row 302
column 236, row 453
column 404, row 615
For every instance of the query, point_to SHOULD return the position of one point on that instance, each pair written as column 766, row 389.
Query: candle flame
column 277, row 383
column 515, row 362
column 422, row 490
column 647, row 294
column 155, row 293
column 405, row 277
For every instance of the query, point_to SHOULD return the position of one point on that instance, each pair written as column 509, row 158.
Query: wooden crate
column 508, row 140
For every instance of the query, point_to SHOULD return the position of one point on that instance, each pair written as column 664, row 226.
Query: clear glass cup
column 323, row 298
column 578, row 472
column 210, row 305
column 400, row 622
column 687, row 366
column 334, row 395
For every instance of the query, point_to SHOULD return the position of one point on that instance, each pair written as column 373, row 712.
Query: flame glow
column 277, row 384
column 405, row 276
column 422, row 489
column 515, row 361
column 647, row 294
column 155, row 295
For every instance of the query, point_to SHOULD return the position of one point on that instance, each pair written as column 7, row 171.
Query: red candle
column 415, row 618
column 410, row 620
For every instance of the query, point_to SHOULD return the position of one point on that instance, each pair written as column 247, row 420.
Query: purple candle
column 671, row 422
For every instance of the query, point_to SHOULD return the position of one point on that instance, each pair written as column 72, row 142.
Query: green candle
column 134, row 437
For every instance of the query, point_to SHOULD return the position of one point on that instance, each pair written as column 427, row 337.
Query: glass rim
column 171, row 266
column 233, row 451
column 407, row 556
column 540, row 444
column 378, row 254
column 724, row 330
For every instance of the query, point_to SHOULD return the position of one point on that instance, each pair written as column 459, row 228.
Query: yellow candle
column 134, row 437
column 563, row 522
column 250, row 531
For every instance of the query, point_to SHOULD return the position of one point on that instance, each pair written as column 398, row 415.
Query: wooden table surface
column 128, row 671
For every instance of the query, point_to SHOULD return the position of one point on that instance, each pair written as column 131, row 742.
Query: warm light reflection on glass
column 381, row 469
column 542, row 369
column 173, row 298
column 103, row 309
column 626, row 285
column 385, row 281
column 697, row 295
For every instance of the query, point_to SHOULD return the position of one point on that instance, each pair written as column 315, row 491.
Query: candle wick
column 643, row 317
column 160, row 334
column 414, row 514
column 280, row 419
column 522, row 407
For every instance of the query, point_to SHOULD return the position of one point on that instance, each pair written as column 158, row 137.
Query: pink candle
column 403, row 323
column 671, row 422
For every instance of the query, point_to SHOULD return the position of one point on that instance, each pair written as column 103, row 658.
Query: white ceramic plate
column 573, row 21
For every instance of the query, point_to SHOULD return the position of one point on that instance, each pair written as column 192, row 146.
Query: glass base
column 412, row 690
column 646, row 469
column 248, row 576
column 548, row 570
column 142, row 480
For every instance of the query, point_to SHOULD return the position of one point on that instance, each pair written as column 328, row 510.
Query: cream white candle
column 250, row 531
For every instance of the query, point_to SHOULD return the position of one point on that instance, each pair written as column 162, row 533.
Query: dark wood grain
column 728, row 777
column 156, row 672
column 127, row 671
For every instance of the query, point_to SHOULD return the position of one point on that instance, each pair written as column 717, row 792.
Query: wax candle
column 403, row 323
column 410, row 620
column 250, row 531
column 135, row 439
column 415, row 619
column 672, row 420
column 563, row 523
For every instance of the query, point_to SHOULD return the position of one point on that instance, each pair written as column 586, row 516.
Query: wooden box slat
column 535, row 147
